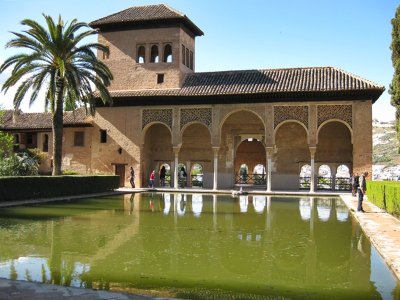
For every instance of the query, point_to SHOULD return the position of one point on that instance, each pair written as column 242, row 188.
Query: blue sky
column 353, row 35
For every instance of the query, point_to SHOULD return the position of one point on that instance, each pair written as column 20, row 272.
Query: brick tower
column 151, row 47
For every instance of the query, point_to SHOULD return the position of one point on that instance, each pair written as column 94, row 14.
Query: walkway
column 382, row 229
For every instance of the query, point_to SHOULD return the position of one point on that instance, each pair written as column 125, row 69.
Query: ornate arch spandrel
column 202, row 115
column 290, row 112
column 157, row 115
column 338, row 112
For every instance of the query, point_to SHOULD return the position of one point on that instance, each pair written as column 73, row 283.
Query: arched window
column 167, row 53
column 243, row 173
column 165, row 175
column 324, row 177
column 154, row 54
column 259, row 174
column 16, row 142
column 46, row 143
column 141, row 55
column 197, row 175
column 305, row 177
column 342, row 179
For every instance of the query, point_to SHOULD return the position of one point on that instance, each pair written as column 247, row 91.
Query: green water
column 196, row 247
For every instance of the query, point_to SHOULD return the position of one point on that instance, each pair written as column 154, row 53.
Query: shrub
column 31, row 187
column 20, row 164
column 385, row 194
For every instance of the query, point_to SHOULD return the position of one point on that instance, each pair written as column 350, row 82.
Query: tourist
column 132, row 178
column 362, row 188
column 354, row 184
column 162, row 176
column 182, row 177
column 152, row 176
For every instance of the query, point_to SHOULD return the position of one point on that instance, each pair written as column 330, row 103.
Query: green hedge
column 385, row 194
column 34, row 187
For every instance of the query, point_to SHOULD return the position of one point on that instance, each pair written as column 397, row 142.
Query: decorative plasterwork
column 293, row 112
column 157, row 115
column 202, row 115
column 337, row 112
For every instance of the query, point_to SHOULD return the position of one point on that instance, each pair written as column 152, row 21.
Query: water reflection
column 250, row 245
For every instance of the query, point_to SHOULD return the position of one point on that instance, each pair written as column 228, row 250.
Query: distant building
column 250, row 127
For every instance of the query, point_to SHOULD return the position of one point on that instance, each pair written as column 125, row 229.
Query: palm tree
column 68, row 70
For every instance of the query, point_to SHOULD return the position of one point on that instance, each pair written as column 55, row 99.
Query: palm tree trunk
column 58, row 127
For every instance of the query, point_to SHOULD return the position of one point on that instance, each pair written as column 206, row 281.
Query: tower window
column 191, row 60
column 79, row 138
column 183, row 54
column 160, row 78
column 141, row 55
column 187, row 58
column 167, row 53
column 103, row 136
column 154, row 54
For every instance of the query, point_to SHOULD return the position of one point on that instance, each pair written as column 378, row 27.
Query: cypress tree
column 394, row 89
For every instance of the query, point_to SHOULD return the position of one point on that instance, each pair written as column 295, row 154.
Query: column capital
column 313, row 149
column 215, row 150
column 176, row 149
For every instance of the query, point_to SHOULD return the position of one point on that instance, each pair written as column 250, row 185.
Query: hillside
column 386, row 160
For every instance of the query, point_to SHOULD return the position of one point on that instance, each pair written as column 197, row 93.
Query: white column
column 312, row 183
column 176, row 153
column 270, row 151
column 215, row 180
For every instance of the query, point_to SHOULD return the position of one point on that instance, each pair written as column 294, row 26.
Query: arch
column 196, row 151
column 259, row 174
column 223, row 120
column 334, row 146
column 193, row 123
column 290, row 121
column 167, row 53
column 334, row 120
column 148, row 126
column 157, row 147
column 154, row 58
column 141, row 55
column 291, row 149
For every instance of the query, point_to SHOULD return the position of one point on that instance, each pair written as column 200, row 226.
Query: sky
column 353, row 35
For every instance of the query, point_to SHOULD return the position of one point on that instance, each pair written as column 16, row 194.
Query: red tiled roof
column 42, row 120
column 139, row 15
column 267, row 81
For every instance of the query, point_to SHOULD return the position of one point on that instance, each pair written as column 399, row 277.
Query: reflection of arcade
column 262, row 237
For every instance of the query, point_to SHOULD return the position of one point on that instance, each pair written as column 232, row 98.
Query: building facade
column 277, row 128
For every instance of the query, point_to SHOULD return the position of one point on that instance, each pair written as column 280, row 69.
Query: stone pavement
column 382, row 229
column 16, row 290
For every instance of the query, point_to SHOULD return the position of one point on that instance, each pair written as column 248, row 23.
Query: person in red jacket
column 152, row 176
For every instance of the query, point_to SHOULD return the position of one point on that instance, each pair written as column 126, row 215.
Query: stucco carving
column 202, row 115
column 338, row 112
column 157, row 115
column 285, row 112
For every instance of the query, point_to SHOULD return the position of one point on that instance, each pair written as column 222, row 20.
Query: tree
column 394, row 89
column 6, row 140
column 58, row 63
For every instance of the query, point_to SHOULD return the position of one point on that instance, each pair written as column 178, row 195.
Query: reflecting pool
column 196, row 246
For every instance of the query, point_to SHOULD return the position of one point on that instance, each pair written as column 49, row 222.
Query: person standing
column 362, row 188
column 162, row 176
column 354, row 184
column 152, row 176
column 132, row 177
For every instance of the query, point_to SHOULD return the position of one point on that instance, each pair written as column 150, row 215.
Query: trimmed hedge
column 35, row 187
column 385, row 194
